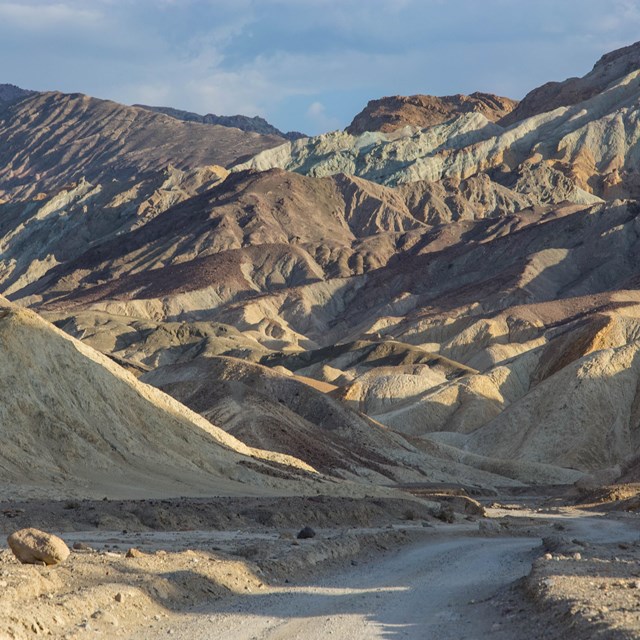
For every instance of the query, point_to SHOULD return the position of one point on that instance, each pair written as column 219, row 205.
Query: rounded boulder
column 32, row 546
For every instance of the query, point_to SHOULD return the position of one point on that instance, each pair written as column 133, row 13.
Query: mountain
column 591, row 140
column 254, row 124
column 95, row 430
column 10, row 93
column 50, row 140
column 609, row 70
column 455, row 299
column 395, row 112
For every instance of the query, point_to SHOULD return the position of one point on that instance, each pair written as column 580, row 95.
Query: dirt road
column 435, row 590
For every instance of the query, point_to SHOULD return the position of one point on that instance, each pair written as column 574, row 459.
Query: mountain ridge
column 255, row 124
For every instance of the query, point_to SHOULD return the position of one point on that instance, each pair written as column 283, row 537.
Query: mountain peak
column 610, row 68
column 11, row 93
column 254, row 124
column 394, row 112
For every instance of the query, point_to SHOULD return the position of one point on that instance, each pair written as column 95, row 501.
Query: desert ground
column 530, row 567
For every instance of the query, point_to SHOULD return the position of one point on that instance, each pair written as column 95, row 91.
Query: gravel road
column 435, row 590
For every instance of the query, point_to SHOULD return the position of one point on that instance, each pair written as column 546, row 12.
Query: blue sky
column 309, row 65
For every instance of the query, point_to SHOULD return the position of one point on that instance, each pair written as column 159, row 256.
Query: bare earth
column 394, row 572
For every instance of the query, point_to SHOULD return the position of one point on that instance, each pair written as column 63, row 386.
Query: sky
column 306, row 65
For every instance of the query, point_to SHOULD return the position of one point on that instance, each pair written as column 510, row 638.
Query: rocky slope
column 75, row 424
column 395, row 112
column 609, row 70
column 50, row 140
column 590, row 138
column 254, row 124
column 461, row 299
column 10, row 93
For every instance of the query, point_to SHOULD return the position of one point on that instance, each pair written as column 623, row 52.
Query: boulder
column 559, row 544
column 32, row 546
column 306, row 532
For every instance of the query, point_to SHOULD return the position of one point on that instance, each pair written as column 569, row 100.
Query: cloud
column 318, row 116
column 40, row 16
column 303, row 64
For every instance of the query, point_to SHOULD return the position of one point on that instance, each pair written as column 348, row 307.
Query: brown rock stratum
column 420, row 111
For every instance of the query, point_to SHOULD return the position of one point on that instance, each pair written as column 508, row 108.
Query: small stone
column 577, row 556
column 547, row 556
column 305, row 533
column 119, row 597
column 81, row 546
column 32, row 546
column 634, row 584
column 134, row 553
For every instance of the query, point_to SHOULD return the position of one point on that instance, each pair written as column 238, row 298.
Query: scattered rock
column 81, row 546
column 446, row 514
column 306, row 532
column 134, row 553
column 119, row 597
column 558, row 544
column 32, row 546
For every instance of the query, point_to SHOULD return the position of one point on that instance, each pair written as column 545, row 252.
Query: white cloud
column 40, row 16
column 317, row 114
column 249, row 56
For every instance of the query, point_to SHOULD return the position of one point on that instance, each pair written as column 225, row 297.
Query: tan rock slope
column 609, row 69
column 281, row 413
column 75, row 424
column 52, row 139
column 456, row 301
column 285, row 413
column 585, row 128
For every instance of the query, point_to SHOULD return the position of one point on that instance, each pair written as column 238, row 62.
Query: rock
column 559, row 544
column 420, row 111
column 446, row 514
column 134, row 553
column 32, row 546
column 306, row 532
column 119, row 597
column 81, row 546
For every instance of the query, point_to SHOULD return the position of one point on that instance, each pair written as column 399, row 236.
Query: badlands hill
column 10, row 93
column 256, row 124
column 75, row 424
column 587, row 131
column 456, row 299
column 389, row 114
column 50, row 140
column 609, row 70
